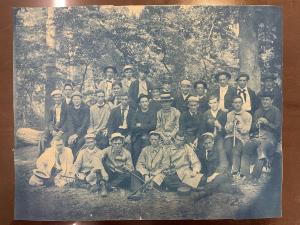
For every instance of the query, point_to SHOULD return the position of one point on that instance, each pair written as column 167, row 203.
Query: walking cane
column 234, row 132
column 259, row 132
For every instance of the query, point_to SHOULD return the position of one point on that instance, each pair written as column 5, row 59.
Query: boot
column 103, row 191
column 94, row 188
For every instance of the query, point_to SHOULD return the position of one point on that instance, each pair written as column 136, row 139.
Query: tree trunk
column 248, row 46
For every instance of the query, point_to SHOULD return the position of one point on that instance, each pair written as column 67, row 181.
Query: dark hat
column 268, row 77
column 68, row 83
column 166, row 97
column 217, row 75
column 242, row 75
column 143, row 96
column 200, row 82
column 264, row 94
column 110, row 66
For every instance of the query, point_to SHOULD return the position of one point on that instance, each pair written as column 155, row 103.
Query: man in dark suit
column 68, row 90
column 247, row 94
column 225, row 92
column 181, row 100
column 120, row 119
column 78, row 121
column 56, row 118
column 139, row 87
column 200, row 88
column 191, row 122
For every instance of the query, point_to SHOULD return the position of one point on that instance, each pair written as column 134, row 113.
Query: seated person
column 150, row 165
column 88, row 168
column 117, row 162
column 183, row 166
column 167, row 119
column 267, row 126
column 213, row 167
column 55, row 163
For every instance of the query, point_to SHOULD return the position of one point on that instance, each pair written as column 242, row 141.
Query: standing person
column 110, row 73
column 150, row 166
column 144, row 121
column 128, row 71
column 87, row 165
column 167, row 119
column 55, row 162
column 155, row 100
column 267, row 126
column 68, row 90
column 117, row 162
column 120, row 119
column 225, row 92
column 270, row 87
column 99, row 115
column 114, row 98
column 183, row 166
column 200, row 88
column 191, row 121
column 247, row 94
column 237, row 133
column 215, row 121
column 181, row 100
column 56, row 119
column 139, row 87
column 78, row 121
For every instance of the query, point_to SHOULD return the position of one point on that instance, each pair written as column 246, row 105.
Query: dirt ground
column 52, row 203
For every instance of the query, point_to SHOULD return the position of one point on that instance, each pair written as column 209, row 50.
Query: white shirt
column 185, row 96
column 143, row 89
column 214, row 113
column 223, row 91
column 124, row 125
column 246, row 102
column 57, row 113
column 68, row 100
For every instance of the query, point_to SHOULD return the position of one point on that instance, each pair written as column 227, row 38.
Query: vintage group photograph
column 148, row 112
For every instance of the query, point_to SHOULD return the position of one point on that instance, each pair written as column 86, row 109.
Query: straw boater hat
column 127, row 67
column 186, row 82
column 116, row 135
column 166, row 97
column 56, row 92
column 155, row 133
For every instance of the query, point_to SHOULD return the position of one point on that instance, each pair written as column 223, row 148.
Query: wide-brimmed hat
column 116, row 135
column 166, row 97
column 268, row 77
column 186, row 82
column 242, row 75
column 110, row 66
column 217, row 75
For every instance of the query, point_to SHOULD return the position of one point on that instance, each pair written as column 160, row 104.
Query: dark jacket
column 203, row 105
column 134, row 92
column 277, row 97
column 231, row 92
column 253, row 99
column 146, row 119
column 52, row 124
column 209, row 121
column 78, row 120
column 115, row 121
column 181, row 104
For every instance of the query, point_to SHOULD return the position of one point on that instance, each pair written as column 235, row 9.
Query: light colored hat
column 76, row 93
column 90, row 136
column 166, row 97
column 116, row 135
column 193, row 99
column 126, row 67
column 208, row 134
column 56, row 92
column 155, row 132
column 186, row 82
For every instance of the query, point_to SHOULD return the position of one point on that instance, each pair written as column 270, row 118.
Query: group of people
column 137, row 135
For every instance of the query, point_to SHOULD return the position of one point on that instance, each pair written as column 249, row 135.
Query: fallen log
column 28, row 136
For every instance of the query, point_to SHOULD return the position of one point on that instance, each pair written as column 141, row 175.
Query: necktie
column 242, row 91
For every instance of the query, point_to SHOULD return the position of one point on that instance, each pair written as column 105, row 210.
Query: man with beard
column 144, row 121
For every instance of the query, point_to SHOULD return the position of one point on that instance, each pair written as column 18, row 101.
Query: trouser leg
column 173, row 182
column 236, row 156
column 228, row 142
column 248, row 151
column 135, row 182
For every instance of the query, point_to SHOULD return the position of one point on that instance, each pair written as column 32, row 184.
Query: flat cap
column 56, row 92
column 193, row 99
column 116, row 135
column 128, row 67
column 186, row 82
column 76, row 93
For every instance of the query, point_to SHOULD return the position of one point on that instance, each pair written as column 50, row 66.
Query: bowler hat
column 217, row 75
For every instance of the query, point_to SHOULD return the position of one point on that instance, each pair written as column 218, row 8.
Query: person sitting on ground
column 117, row 162
column 88, row 169
column 55, row 164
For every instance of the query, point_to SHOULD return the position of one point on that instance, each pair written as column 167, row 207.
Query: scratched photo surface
column 147, row 112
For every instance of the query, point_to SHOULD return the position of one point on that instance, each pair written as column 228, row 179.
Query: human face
column 142, row 75
column 124, row 101
column 110, row 73
column 223, row 80
column 237, row 104
column 185, row 89
column 179, row 141
column 266, row 102
column 144, row 104
column 100, row 98
column 116, row 90
column 76, row 100
column 59, row 145
column 208, row 144
column 269, row 84
column 57, row 99
column 213, row 104
column 117, row 144
column 128, row 73
column 166, row 87
column 90, row 143
column 166, row 105
column 155, row 94
column 242, row 82
column 154, row 140
column 200, row 90
column 68, row 91
column 193, row 106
